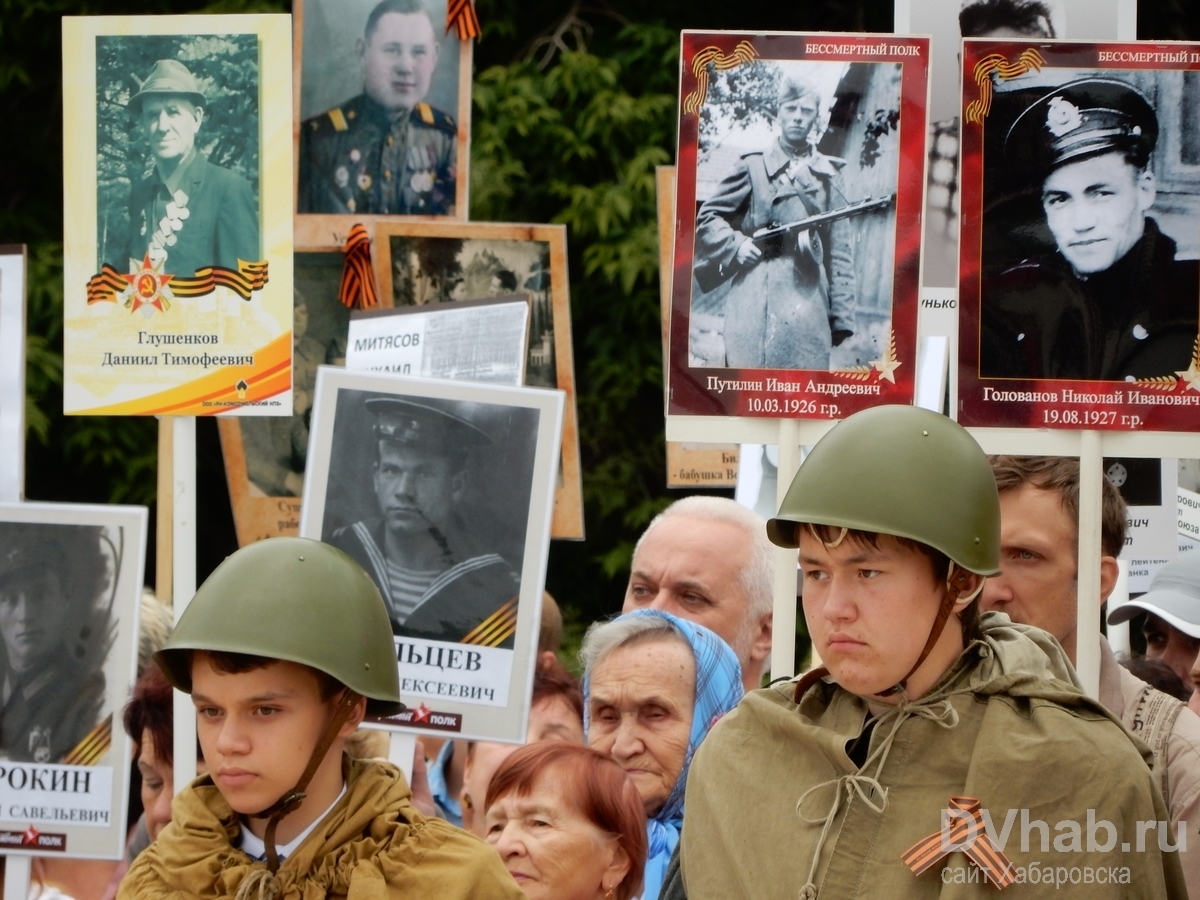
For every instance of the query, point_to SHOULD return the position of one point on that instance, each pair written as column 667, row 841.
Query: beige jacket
column 776, row 807
column 1120, row 692
column 373, row 845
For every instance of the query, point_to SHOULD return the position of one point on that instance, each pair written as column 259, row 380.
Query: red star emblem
column 421, row 713
column 30, row 836
column 147, row 286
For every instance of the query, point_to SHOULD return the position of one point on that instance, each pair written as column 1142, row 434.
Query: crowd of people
column 939, row 589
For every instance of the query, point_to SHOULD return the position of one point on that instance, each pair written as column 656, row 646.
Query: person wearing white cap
column 1172, row 626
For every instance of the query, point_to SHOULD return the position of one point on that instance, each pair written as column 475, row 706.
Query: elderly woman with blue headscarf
column 654, row 685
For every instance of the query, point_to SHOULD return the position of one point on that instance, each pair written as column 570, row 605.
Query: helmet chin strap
column 956, row 580
column 291, row 801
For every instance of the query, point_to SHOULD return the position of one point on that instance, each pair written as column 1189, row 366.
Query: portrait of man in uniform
column 782, row 273
column 51, row 577
column 178, row 167
column 441, row 576
column 1108, row 297
column 388, row 150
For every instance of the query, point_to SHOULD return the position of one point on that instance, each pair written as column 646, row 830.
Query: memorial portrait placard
column 264, row 457
column 798, row 223
column 70, row 589
column 177, row 223
column 419, row 263
column 443, row 491
column 1080, row 254
column 382, row 109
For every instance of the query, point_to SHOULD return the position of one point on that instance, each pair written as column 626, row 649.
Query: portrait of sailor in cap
column 189, row 213
column 1111, row 302
column 53, row 687
column 438, row 581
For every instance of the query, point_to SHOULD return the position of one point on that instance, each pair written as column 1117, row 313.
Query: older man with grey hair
column 708, row 560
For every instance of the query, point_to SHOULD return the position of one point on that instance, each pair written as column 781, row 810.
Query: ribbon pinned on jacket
column 357, row 290
column 461, row 16
column 962, row 829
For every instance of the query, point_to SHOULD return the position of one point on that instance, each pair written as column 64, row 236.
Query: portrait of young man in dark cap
column 438, row 579
column 52, row 691
column 387, row 150
column 1110, row 300
column 189, row 213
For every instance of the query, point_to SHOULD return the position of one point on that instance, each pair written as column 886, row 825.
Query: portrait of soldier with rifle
column 776, row 237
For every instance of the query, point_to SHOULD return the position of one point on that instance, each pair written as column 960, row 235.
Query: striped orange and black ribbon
column 249, row 277
column 496, row 628
column 461, row 16
column 999, row 66
column 92, row 748
column 968, row 834
column 357, row 290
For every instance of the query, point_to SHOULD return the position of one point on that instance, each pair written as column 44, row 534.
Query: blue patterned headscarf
column 718, row 690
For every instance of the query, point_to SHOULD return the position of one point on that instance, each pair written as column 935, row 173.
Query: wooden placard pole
column 402, row 748
column 183, row 557
column 783, row 643
column 1087, row 593
column 164, row 514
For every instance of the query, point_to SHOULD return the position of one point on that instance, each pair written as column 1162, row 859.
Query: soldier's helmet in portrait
column 173, row 90
column 398, row 53
column 1009, row 18
column 52, row 578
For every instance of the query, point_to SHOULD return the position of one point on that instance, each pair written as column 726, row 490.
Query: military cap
column 71, row 551
column 411, row 423
column 169, row 76
column 1078, row 120
column 793, row 87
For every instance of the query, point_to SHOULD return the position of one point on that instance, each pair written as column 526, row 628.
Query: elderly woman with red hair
column 568, row 823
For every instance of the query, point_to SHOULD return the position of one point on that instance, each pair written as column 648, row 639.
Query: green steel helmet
column 903, row 471
column 298, row 600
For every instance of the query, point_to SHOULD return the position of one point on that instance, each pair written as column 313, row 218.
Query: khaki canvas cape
column 1007, row 724
column 373, row 845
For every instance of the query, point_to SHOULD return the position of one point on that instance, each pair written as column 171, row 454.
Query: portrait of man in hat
column 387, row 150
column 51, row 577
column 440, row 579
column 1106, row 298
column 188, row 213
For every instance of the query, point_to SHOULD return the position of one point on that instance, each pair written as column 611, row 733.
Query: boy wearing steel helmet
column 284, row 649
column 937, row 753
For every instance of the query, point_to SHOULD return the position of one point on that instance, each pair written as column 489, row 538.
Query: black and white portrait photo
column 1089, row 258
column 177, row 122
column 430, row 496
column 796, row 178
column 70, row 589
column 948, row 21
column 380, row 108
